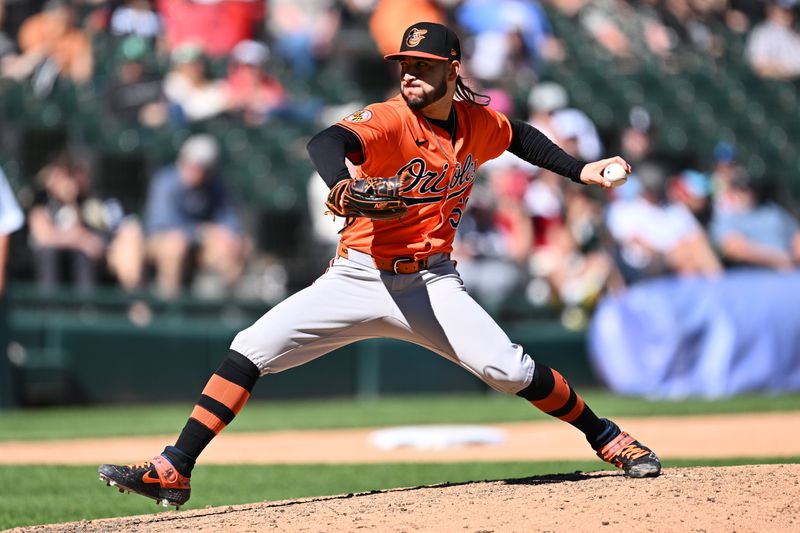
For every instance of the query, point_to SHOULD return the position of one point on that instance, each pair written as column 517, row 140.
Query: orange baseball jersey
column 396, row 138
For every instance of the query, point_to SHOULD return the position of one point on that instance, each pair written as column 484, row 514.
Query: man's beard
column 421, row 102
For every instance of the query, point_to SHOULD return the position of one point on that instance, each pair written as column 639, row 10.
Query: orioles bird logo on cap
column 415, row 37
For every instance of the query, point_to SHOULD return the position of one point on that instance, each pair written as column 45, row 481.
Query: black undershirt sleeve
column 328, row 150
column 533, row 146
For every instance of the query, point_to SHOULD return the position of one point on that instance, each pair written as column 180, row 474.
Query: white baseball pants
column 353, row 300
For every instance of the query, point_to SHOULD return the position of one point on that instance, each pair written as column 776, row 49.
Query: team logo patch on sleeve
column 359, row 116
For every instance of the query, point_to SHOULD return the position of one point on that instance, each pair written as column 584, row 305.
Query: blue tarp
column 678, row 337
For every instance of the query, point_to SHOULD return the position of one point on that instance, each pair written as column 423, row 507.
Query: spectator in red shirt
column 218, row 24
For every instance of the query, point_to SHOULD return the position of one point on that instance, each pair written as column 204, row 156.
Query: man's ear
column 455, row 70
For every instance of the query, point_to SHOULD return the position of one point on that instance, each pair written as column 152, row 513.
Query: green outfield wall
column 67, row 353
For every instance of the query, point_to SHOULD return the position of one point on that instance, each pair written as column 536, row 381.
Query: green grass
column 55, row 423
column 37, row 494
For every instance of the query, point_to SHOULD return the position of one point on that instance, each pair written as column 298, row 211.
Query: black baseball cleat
column 634, row 458
column 156, row 479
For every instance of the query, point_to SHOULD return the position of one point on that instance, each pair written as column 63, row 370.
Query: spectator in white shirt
column 11, row 219
column 773, row 47
column 652, row 237
column 192, row 94
column 136, row 17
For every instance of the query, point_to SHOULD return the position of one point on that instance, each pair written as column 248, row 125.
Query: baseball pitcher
column 417, row 155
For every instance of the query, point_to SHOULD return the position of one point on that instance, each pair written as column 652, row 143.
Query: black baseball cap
column 429, row 40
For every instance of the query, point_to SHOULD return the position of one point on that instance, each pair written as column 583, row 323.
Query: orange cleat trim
column 610, row 450
column 169, row 476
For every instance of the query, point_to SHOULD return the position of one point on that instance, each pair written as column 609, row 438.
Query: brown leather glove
column 375, row 198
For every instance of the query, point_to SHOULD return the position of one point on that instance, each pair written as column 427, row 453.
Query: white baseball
column 615, row 173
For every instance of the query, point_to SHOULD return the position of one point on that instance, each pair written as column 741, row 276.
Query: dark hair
column 463, row 92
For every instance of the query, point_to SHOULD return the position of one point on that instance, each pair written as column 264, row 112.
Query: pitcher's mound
column 753, row 498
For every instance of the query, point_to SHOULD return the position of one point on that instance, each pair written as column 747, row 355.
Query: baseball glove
column 375, row 198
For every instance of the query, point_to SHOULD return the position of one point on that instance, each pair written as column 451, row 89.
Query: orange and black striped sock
column 551, row 393
column 223, row 397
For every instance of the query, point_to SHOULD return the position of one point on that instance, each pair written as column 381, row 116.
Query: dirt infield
column 755, row 498
column 741, row 499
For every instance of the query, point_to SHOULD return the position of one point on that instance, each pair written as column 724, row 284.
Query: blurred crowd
column 565, row 245
column 177, row 65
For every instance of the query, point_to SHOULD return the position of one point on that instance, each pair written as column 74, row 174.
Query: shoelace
column 146, row 464
column 632, row 451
